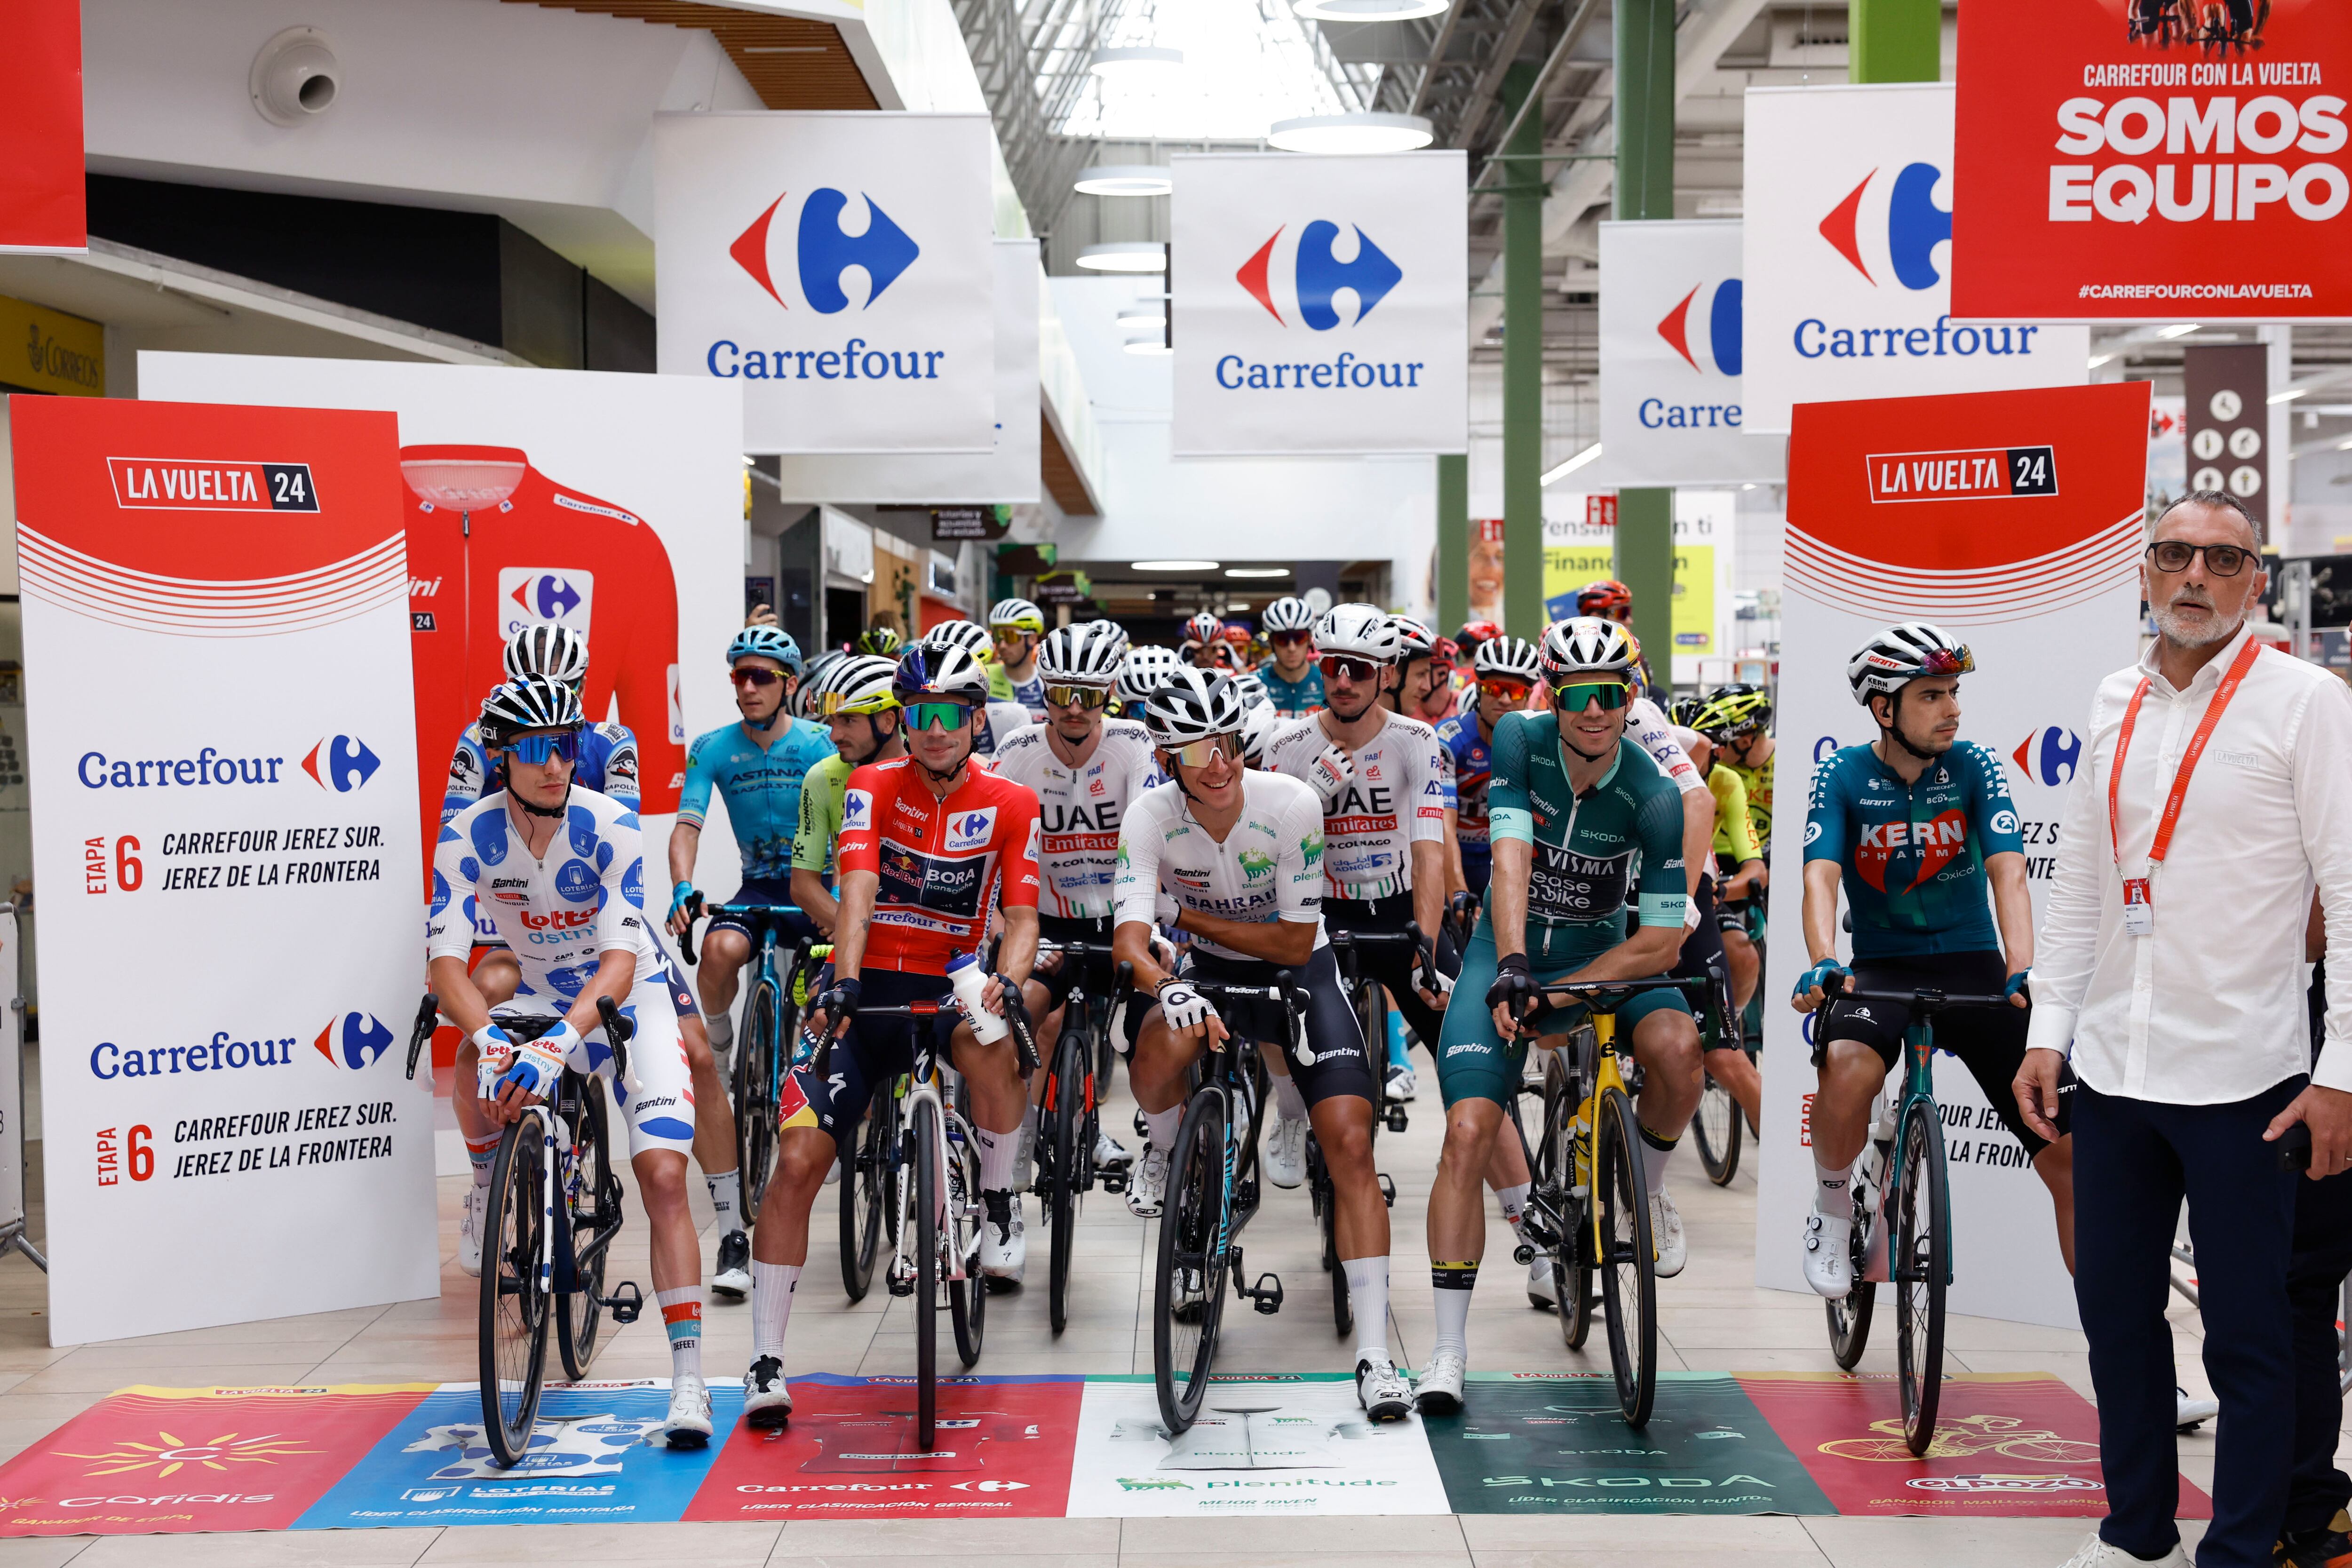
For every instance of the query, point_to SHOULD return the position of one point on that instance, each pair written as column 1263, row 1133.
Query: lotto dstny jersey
column 1619, row 843
column 1912, row 855
column 761, row 787
column 608, row 764
column 1244, row 1437
column 820, row 823
column 1293, row 699
column 886, row 1442
column 561, row 913
column 943, row 865
column 1758, row 782
column 1472, row 764
column 1079, row 810
column 1735, row 834
column 1269, row 868
column 1397, row 799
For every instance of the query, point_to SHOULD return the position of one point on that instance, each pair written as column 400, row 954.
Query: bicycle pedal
column 1388, row 1189
column 1523, row 1255
column 625, row 1302
column 1397, row 1119
column 1114, row 1181
column 1245, row 1195
column 1266, row 1295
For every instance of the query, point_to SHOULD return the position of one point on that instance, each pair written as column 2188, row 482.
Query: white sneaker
column 1110, row 1155
column 1438, row 1390
column 767, row 1398
column 1666, row 1233
column 1003, row 1239
column 832, row 1174
column 1542, row 1290
column 469, row 1229
column 2188, row 1414
column 1400, row 1086
column 1286, row 1154
column 1382, row 1390
column 1829, row 1255
column 1148, row 1184
column 2097, row 1553
column 688, row 1425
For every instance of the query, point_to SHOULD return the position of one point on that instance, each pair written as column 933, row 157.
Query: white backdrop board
column 229, row 932
column 1847, row 247
column 1671, row 317
column 2041, row 584
column 1321, row 303
column 835, row 265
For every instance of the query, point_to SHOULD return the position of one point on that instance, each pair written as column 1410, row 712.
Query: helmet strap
column 556, row 811
column 1894, row 728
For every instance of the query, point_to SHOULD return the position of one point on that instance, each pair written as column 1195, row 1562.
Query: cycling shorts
column 1474, row 1061
column 681, row 994
column 1989, row 1041
column 794, row 927
column 660, row 1114
column 1744, row 915
column 1100, row 974
column 871, row 1053
column 1703, row 943
column 1392, row 963
column 1326, row 1059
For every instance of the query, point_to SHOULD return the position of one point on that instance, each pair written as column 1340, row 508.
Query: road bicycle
column 1371, row 1003
column 763, row 1051
column 1070, row 1116
column 1720, row 1125
column 1902, row 1231
column 1212, row 1194
column 936, row 1202
column 554, row 1208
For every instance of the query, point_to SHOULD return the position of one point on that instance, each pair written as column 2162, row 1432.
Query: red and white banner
column 2013, row 521
column 2128, row 160
column 41, row 202
column 224, row 785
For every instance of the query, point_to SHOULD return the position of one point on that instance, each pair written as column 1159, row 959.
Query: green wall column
column 1896, row 40
column 1646, row 190
column 1523, row 309
column 1452, row 541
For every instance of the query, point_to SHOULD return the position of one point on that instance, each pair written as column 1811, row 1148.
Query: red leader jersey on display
column 494, row 545
column 943, row 864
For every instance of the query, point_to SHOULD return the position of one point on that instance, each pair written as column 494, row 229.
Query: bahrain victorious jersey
column 886, row 1442
column 943, row 864
column 1912, row 855
column 1397, row 799
column 1269, row 868
column 494, row 545
column 1080, row 809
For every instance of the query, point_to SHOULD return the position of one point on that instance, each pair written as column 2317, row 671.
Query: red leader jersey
column 943, row 864
column 494, row 545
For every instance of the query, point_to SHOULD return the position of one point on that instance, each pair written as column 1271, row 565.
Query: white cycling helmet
column 1288, row 613
column 1358, row 630
column 1414, row 640
column 861, row 684
column 1586, row 646
column 1901, row 654
column 1507, row 655
column 558, row 653
column 1258, row 725
column 968, row 635
column 533, row 702
column 1086, row 654
column 1112, row 629
column 1192, row 704
column 929, row 671
column 1253, row 690
column 1018, row 613
column 1145, row 668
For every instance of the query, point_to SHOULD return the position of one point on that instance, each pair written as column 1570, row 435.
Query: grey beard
column 2180, row 636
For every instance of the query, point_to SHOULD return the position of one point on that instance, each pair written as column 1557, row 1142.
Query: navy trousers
column 2135, row 1161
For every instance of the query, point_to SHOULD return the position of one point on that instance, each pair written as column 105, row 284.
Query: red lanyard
column 2171, row 818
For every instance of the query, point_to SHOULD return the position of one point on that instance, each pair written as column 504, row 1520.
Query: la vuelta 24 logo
column 1298, row 280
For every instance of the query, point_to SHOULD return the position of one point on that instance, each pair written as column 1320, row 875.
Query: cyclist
column 1610, row 600
column 880, row 640
column 1574, row 798
column 931, row 847
column 574, row 913
column 855, row 696
column 1291, row 678
column 996, row 722
column 1015, row 626
column 1444, row 697
column 1239, row 852
column 1739, row 866
column 1139, row 676
column 1919, row 828
column 1419, row 674
column 1737, row 720
column 1507, row 671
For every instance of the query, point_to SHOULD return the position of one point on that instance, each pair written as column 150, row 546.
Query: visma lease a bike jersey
column 761, row 787
column 1619, row 843
column 943, row 865
column 1293, row 699
column 1269, row 868
column 561, row 914
column 1912, row 857
column 1079, row 810
column 1397, row 799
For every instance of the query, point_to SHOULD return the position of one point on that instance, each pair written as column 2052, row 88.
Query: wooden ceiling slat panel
column 814, row 70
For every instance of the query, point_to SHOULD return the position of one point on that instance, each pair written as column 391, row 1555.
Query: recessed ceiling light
column 1138, row 318
column 1171, row 565
column 1125, row 255
column 2179, row 331
column 1134, row 60
column 1125, row 180
column 1363, row 133
column 1257, row 571
column 1153, row 344
column 1369, row 10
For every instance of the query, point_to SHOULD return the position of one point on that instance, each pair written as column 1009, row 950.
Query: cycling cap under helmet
column 765, row 642
column 1288, row 613
column 1901, row 654
column 1358, row 630
column 1086, row 655
column 556, row 652
column 1507, row 655
column 1190, row 705
column 1018, row 613
column 1587, row 645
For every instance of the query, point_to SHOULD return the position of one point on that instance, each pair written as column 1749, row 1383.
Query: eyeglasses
column 1576, row 696
column 539, row 750
column 1088, row 697
column 1007, row 635
column 2220, row 560
column 755, row 675
column 1960, row 661
column 835, row 703
column 1335, row 666
column 1196, row 754
column 1509, row 690
column 936, row 715
column 1289, row 639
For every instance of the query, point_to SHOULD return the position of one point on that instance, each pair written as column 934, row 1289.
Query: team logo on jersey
column 1254, row 863
column 971, row 829
column 856, row 810
column 545, row 596
column 353, row 1040
column 576, row 880
column 2004, row 822
column 1922, row 848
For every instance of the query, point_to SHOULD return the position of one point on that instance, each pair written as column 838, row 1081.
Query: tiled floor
column 1712, row 1317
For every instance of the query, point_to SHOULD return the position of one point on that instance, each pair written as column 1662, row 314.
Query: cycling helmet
column 1145, row 668
column 1288, row 613
column 968, row 635
column 883, row 642
column 1737, row 710
column 804, row 696
column 1079, row 656
column 1193, row 704
column 1414, row 640
column 1113, row 631
column 765, row 642
column 1018, row 613
column 1587, row 645
column 1508, row 655
column 1447, row 654
column 1204, row 627
column 1258, row 725
column 1605, row 598
column 940, row 672
column 556, row 652
column 534, row 703
column 1901, row 654
column 1253, row 690
column 1236, row 633
column 1473, row 633
column 860, row 684
column 1358, row 630
column 1684, row 712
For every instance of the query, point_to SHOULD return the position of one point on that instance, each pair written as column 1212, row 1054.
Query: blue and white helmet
column 533, row 703
column 765, row 642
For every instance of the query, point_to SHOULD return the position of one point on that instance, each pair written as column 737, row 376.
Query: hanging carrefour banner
column 2141, row 161
column 840, row 266
column 1848, row 246
column 1671, row 342
column 42, row 205
column 228, row 942
column 1321, row 304
column 2014, row 521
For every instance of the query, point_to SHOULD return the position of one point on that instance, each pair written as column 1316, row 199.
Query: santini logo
column 1310, row 285
column 823, row 253
column 1888, row 230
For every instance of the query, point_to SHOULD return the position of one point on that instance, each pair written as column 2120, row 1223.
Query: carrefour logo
column 353, row 1040
column 823, row 251
column 340, row 762
column 1301, row 280
column 1318, row 275
column 545, row 596
column 1703, row 329
column 2050, row 755
column 1915, row 226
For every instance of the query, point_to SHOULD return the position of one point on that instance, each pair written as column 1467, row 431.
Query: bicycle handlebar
column 1016, row 1018
column 1580, row 990
column 1925, row 999
column 1409, row 934
column 428, row 1018
column 1294, row 999
column 753, row 914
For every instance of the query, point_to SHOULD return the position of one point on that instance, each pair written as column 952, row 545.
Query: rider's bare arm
column 1288, row 942
column 809, row 892
column 684, row 837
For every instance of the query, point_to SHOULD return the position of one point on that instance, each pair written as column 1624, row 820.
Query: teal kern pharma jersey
column 1620, row 843
column 1912, row 857
column 761, row 788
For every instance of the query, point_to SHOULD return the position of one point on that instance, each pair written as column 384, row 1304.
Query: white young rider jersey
column 560, row 913
column 995, row 725
column 1652, row 731
column 1079, row 809
column 1269, row 868
column 1397, row 799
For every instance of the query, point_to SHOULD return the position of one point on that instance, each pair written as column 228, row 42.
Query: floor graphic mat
column 2007, row 1445
column 1538, row 1442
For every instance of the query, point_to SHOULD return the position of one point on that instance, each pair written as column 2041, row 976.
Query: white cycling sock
column 1450, row 1287
column 772, row 1306
column 721, row 1027
column 1833, row 1189
column 682, row 1317
column 1025, row 1170
column 1000, row 1158
column 1368, row 1292
column 1159, row 1126
column 1289, row 1100
column 1514, row 1200
column 725, row 1199
column 1656, row 1152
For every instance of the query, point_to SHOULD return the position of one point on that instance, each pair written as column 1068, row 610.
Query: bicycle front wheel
column 923, row 1153
column 1718, row 1125
column 514, row 1314
column 960, row 1264
column 1066, row 1094
column 761, row 1057
column 1921, row 1265
column 595, row 1199
column 1189, row 1295
column 1628, row 1285
column 1850, row 1319
column 1561, row 1171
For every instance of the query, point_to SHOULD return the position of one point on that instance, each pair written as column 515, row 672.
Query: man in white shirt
column 2170, row 971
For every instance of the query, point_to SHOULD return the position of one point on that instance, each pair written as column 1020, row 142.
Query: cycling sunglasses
column 937, row 715
column 1009, row 634
column 1288, row 639
column 1357, row 669
column 1960, row 661
column 1090, row 696
column 539, row 750
column 1577, row 696
column 1509, row 689
column 755, row 675
column 1196, row 754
